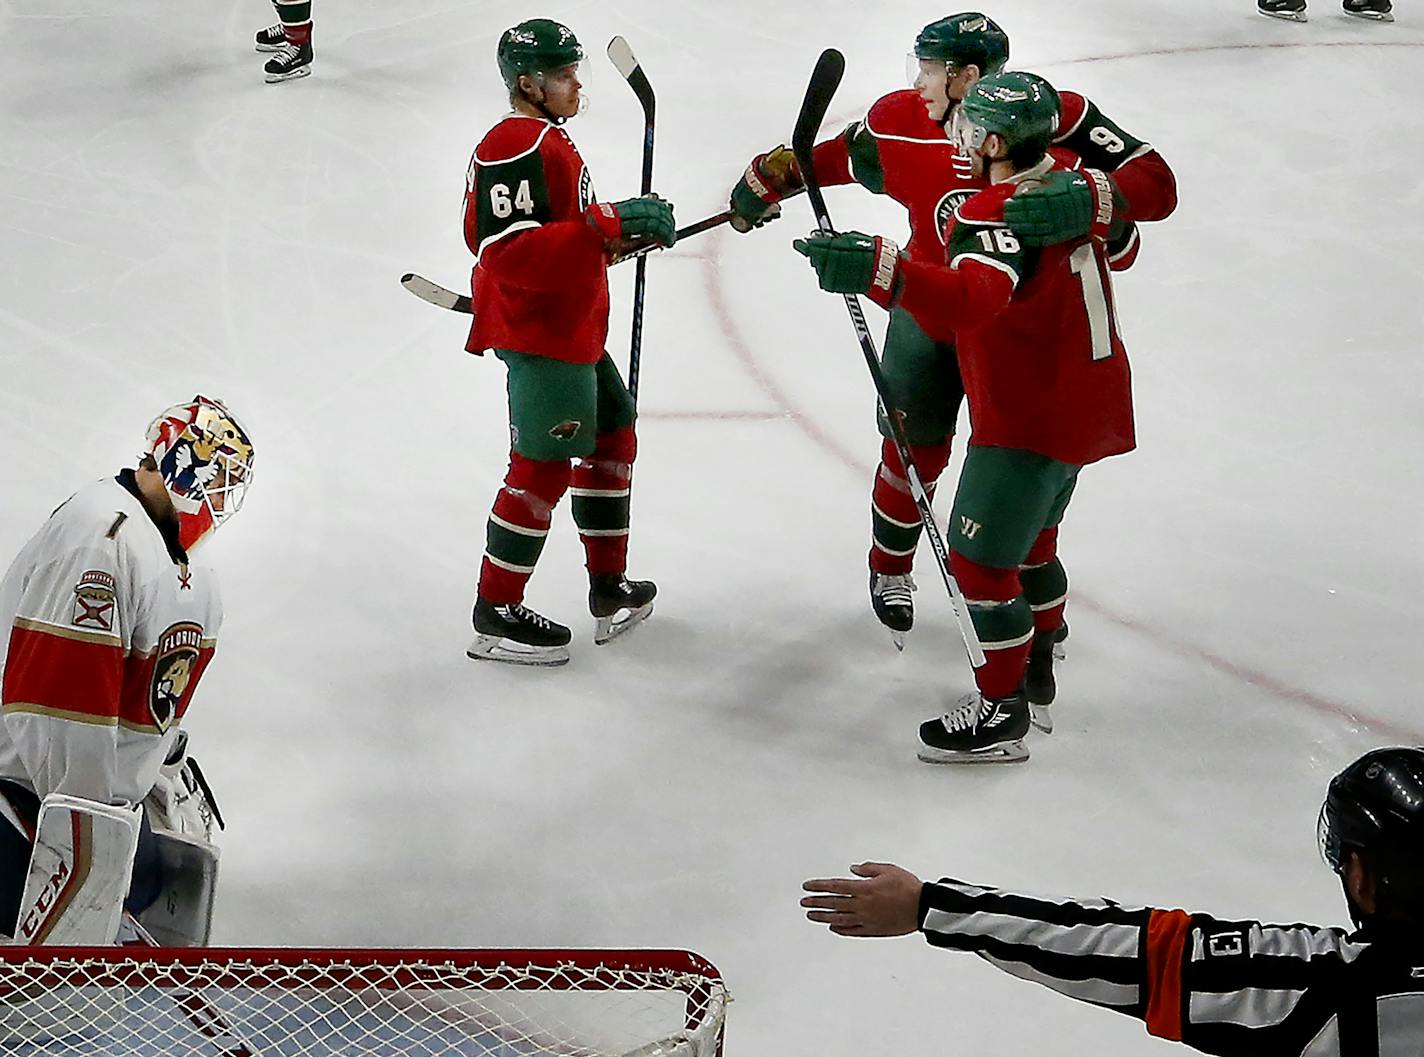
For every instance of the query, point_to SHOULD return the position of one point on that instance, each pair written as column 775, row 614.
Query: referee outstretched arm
column 1236, row 988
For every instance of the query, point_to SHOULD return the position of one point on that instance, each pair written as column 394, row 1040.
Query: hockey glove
column 853, row 263
column 634, row 220
column 769, row 178
column 1067, row 206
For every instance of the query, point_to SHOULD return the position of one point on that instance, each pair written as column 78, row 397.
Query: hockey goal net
column 235, row 1002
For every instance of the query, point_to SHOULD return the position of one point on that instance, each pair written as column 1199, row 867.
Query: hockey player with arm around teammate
column 108, row 628
column 542, row 247
column 901, row 149
column 1234, row 988
column 1048, row 386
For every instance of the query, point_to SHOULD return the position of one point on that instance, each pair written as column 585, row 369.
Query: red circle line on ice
column 790, row 411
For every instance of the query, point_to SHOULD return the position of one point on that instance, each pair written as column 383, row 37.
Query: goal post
column 293, row 1002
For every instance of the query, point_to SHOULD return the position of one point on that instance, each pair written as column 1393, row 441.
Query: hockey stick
column 622, row 56
column 440, row 297
column 826, row 77
column 201, row 1013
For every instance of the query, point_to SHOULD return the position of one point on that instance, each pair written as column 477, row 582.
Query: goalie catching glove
column 633, row 221
column 1068, row 206
column 769, row 178
column 181, row 801
column 854, row 263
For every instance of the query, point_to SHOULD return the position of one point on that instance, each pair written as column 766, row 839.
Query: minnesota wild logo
column 945, row 210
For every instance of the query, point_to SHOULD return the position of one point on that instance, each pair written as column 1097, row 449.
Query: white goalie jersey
column 106, row 632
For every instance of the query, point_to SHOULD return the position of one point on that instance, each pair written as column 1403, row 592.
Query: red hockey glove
column 769, row 178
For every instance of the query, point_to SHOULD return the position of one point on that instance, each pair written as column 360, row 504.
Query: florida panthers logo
column 944, row 211
column 174, row 666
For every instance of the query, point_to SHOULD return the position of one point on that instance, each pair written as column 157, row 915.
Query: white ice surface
column 1247, row 604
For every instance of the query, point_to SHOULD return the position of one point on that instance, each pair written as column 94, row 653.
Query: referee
column 1237, row 988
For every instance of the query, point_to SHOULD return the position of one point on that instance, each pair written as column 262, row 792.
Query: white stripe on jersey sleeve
column 1099, row 992
column 1250, row 1007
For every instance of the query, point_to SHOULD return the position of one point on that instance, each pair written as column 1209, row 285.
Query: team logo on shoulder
column 566, row 430
column 94, row 601
column 945, row 211
column 175, row 662
column 586, row 195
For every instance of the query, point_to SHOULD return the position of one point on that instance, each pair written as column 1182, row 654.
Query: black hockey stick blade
column 436, row 294
column 825, row 79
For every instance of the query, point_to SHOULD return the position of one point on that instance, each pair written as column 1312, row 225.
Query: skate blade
column 1005, row 752
column 1284, row 16
column 494, row 648
column 295, row 75
column 606, row 629
column 898, row 638
column 1040, row 717
column 1372, row 16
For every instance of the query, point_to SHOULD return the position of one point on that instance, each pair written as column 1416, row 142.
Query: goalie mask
column 205, row 459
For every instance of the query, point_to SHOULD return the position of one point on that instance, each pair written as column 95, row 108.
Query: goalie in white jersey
column 107, row 630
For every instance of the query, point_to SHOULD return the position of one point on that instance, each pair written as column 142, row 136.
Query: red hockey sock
column 894, row 518
column 600, row 494
column 518, row 525
column 1002, row 619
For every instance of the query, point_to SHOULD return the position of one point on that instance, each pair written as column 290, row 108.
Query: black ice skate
column 273, row 38
column 612, row 593
column 1292, row 10
column 1039, row 687
column 515, row 635
column 977, row 730
column 1375, row 10
column 890, row 597
column 291, row 62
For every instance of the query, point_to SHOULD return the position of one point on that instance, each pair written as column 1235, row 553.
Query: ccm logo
column 36, row 917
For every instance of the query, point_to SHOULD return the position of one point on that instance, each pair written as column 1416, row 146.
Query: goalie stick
column 622, row 57
column 201, row 1013
column 825, row 78
column 440, row 297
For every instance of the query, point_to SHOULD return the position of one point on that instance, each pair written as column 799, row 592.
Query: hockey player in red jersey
column 900, row 149
column 1048, row 386
column 108, row 629
column 542, row 247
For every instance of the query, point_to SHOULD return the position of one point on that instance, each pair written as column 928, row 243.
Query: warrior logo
column 173, row 666
column 94, row 601
column 945, row 211
column 586, row 195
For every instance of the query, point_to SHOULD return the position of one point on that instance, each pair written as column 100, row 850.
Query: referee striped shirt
column 1227, row 987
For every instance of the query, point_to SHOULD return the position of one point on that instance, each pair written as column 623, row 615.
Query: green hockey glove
column 854, row 263
column 647, row 219
column 1066, row 206
column 769, row 178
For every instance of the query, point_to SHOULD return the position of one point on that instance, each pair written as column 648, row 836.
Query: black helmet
column 1376, row 806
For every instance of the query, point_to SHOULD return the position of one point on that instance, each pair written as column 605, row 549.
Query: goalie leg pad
column 79, row 872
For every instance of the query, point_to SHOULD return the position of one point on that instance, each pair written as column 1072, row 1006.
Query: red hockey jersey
column 898, row 151
column 540, row 280
column 106, row 632
column 1044, row 367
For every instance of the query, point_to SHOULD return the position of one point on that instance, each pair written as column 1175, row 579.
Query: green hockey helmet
column 1023, row 108
column 969, row 38
column 536, row 46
